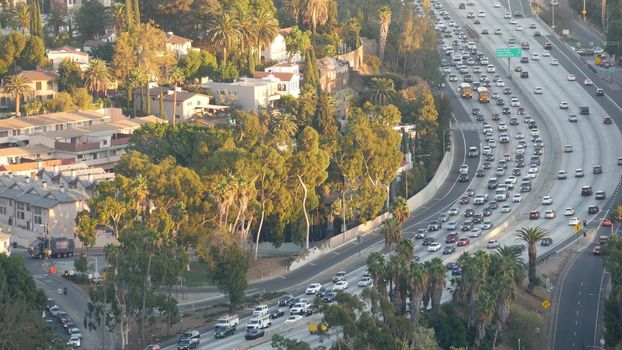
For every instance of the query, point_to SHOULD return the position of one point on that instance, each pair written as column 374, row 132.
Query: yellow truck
column 318, row 328
column 483, row 94
column 465, row 90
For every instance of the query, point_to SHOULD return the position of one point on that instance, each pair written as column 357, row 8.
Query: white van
column 260, row 310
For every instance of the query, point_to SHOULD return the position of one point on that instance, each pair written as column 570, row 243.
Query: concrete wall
column 414, row 203
column 354, row 57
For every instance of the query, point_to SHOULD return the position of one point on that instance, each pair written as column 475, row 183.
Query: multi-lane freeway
column 567, row 146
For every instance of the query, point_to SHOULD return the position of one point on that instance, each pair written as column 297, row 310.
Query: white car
column 492, row 244
column 569, row 211
column 452, row 225
column 535, row 56
column 549, row 214
column 561, row 175
column 481, row 14
column 513, row 21
column 293, row 319
column 546, row 54
column 519, row 28
column 490, row 68
column 475, row 232
column 434, row 247
column 588, row 82
column 538, row 90
column 507, row 15
column 74, row 341
column 554, row 62
column 517, row 198
column 365, row 282
column 299, row 308
column 568, row 149
column 313, row 288
column 500, row 83
column 573, row 221
column 547, row 200
column 515, row 102
column 519, row 136
column 496, row 5
column 487, row 225
column 341, row 285
column 563, row 105
column 571, row 77
column 506, row 208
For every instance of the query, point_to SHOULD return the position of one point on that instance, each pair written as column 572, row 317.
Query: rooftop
column 38, row 75
column 37, row 193
column 277, row 75
column 175, row 39
column 50, row 118
column 69, row 50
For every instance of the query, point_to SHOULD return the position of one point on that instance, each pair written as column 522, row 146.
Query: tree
column 33, row 54
column 532, row 236
column 294, row 8
column 505, row 292
column 224, row 34
column 418, row 284
column 384, row 15
column 400, row 211
column 228, row 265
column 18, row 86
column 97, row 76
column 381, row 91
column 377, row 267
column 436, row 277
column 326, row 117
column 176, row 77
column 118, row 16
column 312, row 73
column 129, row 16
column 285, row 122
column 61, row 102
column 81, row 98
column 392, row 232
column 91, row 19
column 297, row 41
column 36, row 24
column 22, row 17
column 266, row 29
column 316, row 12
column 70, row 75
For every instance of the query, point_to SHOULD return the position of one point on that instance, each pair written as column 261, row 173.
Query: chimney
column 44, row 185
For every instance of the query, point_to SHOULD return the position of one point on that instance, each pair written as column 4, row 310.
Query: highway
column 593, row 143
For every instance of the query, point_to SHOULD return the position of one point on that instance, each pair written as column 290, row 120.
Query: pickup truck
column 227, row 321
column 260, row 322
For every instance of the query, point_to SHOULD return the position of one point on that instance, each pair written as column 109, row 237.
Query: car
column 313, row 288
column 187, row 344
column 554, row 62
column 536, row 33
column 573, row 118
column 434, row 225
column 506, row 208
column 569, row 211
column 500, row 102
column 74, row 341
column 496, row 5
column 600, row 92
column 299, row 308
column 474, row 233
column 500, row 83
column 535, row 56
column 600, row 195
column 481, row 14
column 563, row 105
column 561, row 175
column 607, row 120
column 293, row 319
column 545, row 242
column 285, row 300
column 517, row 198
column 469, row 212
column 498, row 31
column 548, row 45
column 607, row 223
column 329, row 297
column 254, row 334
column 449, row 249
column 463, row 178
column 578, row 172
column 434, row 247
column 464, row 200
column 602, row 240
column 519, row 28
column 451, row 238
column 534, row 215
column 341, row 285
column 276, row 313
column 524, row 59
column 485, row 31
column 538, row 90
column 456, row 270
column 597, row 250
column 573, row 221
column 452, row 225
column 584, row 110
column 487, row 225
column 588, row 82
column 593, row 209
column 513, row 21
column 492, row 244
column 453, row 212
column 586, row 191
column 549, row 214
column 506, row 110
column 365, row 282
column 74, row 332
column 462, row 242
column 223, row 332
column 547, row 200
column 597, row 169
column 571, row 77
column 153, row 347
column 420, row 234
column 339, row 276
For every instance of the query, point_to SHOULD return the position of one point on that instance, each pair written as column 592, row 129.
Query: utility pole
column 603, row 15
column 553, row 11
column 584, row 12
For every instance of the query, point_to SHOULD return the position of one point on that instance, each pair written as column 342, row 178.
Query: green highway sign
column 507, row 52
column 611, row 69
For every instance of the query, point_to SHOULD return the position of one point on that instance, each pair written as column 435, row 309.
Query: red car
column 464, row 200
column 451, row 238
column 463, row 241
column 534, row 215
column 607, row 120
column 607, row 223
column 597, row 250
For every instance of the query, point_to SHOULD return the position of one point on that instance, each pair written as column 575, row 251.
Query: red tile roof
column 280, row 76
column 69, row 49
column 36, row 75
column 176, row 40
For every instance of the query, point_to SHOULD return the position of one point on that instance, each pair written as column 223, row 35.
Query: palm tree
column 248, row 32
column 283, row 121
column 176, row 77
column 135, row 80
column 266, row 29
column 400, row 210
column 97, row 76
column 474, row 272
column 384, row 15
column 391, row 231
column 381, row 91
column 118, row 16
column 377, row 268
column 56, row 20
column 21, row 17
column 418, row 282
column 513, row 253
column 18, row 86
column 316, row 12
column 532, row 236
column 485, row 311
column 437, row 282
column 294, row 9
column 505, row 292
column 225, row 33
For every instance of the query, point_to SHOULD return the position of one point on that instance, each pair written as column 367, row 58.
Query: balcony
column 120, row 140
column 75, row 147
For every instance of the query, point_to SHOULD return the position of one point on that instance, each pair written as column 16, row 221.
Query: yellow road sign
column 584, row 12
column 597, row 60
column 546, row 304
column 577, row 227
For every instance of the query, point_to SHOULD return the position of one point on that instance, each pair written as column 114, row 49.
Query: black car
column 224, row 332
column 493, row 205
column 593, row 209
column 524, row 74
column 545, row 242
column 524, row 59
column 480, row 118
column 480, row 173
column 466, row 226
column 434, row 225
column 487, row 212
column 312, row 309
column 296, row 301
column 463, row 178
column 329, row 297
column 420, row 234
column 254, row 334
column 548, row 46
column 506, row 110
column 536, row 33
column 516, row 171
column 486, row 164
column 477, row 219
column 286, row 300
column 469, row 213
column 449, row 249
column 427, row 241
column 187, row 344
column 277, row 313
column 450, row 265
column 500, row 102
column 475, row 111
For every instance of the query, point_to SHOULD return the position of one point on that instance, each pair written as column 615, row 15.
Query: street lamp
column 553, row 4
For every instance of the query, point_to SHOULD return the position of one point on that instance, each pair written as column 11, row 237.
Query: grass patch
column 528, row 326
column 197, row 276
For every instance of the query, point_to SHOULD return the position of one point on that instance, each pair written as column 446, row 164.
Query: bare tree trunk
column 174, row 119
column 146, row 287
column 263, row 213
column 304, row 209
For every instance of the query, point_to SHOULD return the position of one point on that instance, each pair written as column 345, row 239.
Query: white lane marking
column 602, row 280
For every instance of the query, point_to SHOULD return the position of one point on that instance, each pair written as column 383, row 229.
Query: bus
column 483, row 94
column 465, row 90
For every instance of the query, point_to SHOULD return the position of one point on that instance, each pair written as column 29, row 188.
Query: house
column 71, row 6
column 24, row 154
column 35, row 205
column 277, row 50
column 181, row 46
column 287, row 83
column 5, row 244
column 189, row 104
column 334, row 74
column 67, row 52
column 44, row 86
column 249, row 94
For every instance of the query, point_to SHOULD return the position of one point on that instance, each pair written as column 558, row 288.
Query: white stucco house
column 180, row 45
column 287, row 83
column 249, row 94
column 57, row 56
column 277, row 51
column 189, row 104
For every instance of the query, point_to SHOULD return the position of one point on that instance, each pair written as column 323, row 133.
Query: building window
column 38, row 85
column 20, row 211
column 3, row 101
column 4, row 133
column 50, row 85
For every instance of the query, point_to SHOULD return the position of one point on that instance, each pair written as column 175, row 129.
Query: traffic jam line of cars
column 60, row 317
